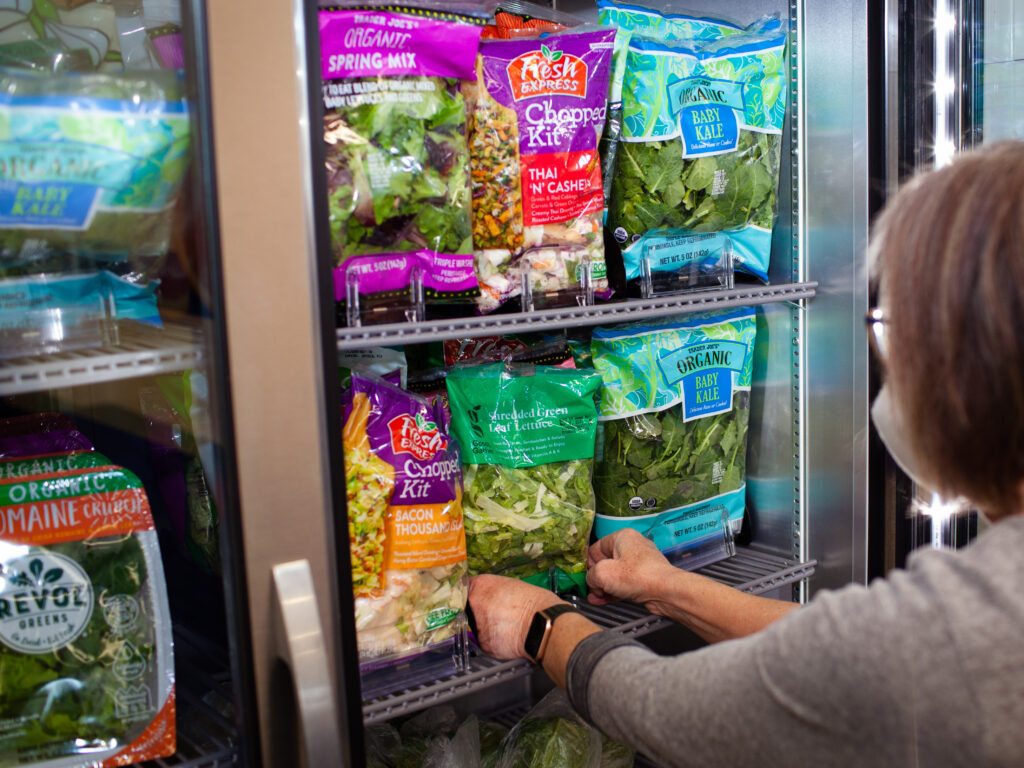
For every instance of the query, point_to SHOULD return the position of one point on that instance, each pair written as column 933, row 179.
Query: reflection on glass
column 109, row 523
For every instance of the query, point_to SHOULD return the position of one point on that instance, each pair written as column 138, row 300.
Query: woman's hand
column 626, row 566
column 503, row 609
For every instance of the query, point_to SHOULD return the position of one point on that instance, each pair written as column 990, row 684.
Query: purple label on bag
column 371, row 43
column 441, row 273
column 411, row 435
column 558, row 87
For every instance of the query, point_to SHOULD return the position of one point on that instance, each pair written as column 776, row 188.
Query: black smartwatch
column 540, row 630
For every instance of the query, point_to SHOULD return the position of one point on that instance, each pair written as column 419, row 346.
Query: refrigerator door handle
column 301, row 646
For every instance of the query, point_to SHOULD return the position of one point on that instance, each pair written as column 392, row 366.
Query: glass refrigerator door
column 124, row 633
column 954, row 81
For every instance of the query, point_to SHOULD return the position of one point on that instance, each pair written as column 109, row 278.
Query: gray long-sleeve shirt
column 924, row 668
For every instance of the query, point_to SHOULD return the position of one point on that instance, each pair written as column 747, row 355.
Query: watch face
column 535, row 635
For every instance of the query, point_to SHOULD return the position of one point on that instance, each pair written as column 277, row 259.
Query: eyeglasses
column 875, row 322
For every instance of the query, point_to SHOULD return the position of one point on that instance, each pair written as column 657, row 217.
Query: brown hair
column 949, row 253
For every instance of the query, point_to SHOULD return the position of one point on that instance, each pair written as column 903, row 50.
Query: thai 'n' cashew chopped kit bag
column 408, row 544
column 697, row 167
column 538, row 108
column 85, row 634
column 527, row 438
column 397, row 157
column 674, row 412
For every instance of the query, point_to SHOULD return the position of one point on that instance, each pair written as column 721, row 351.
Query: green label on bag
column 523, row 416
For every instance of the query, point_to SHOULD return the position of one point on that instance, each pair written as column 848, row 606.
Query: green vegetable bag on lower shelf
column 527, row 438
column 674, row 411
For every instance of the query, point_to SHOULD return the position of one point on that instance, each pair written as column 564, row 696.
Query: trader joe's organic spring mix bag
column 85, row 637
column 527, row 439
column 674, row 412
column 405, row 520
column 397, row 155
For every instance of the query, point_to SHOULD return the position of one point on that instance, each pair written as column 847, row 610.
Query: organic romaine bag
column 405, row 520
column 527, row 438
column 397, row 158
column 85, row 635
column 674, row 411
column 538, row 108
column 698, row 162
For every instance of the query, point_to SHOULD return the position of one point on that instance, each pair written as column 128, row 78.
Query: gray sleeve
column 858, row 677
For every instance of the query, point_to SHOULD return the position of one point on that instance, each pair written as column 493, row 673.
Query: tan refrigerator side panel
column 267, row 248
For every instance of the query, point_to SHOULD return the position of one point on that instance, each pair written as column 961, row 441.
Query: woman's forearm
column 713, row 611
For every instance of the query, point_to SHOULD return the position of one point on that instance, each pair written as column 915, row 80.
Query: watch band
column 540, row 630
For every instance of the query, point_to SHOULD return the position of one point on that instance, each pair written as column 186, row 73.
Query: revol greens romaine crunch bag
column 397, row 158
column 527, row 438
column 698, row 162
column 674, row 410
column 405, row 520
column 85, row 636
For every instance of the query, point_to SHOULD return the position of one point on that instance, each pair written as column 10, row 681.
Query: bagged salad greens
column 397, row 159
column 405, row 520
column 93, row 164
column 538, row 108
column 85, row 635
column 697, row 165
column 527, row 438
column 674, row 412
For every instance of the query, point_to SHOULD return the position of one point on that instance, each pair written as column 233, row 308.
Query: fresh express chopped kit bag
column 538, row 108
column 404, row 499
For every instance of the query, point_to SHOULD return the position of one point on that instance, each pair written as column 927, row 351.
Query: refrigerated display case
column 267, row 339
column 149, row 393
column 807, row 481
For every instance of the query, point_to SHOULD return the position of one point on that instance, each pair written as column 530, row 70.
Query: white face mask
column 890, row 428
column 887, row 420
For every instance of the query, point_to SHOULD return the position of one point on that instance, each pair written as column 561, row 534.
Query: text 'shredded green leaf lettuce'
column 527, row 438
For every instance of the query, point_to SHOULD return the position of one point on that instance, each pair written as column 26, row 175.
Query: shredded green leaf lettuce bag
column 698, row 162
column 527, row 438
column 85, row 640
column 674, row 411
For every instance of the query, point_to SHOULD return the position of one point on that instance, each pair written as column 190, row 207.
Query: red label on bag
column 560, row 186
column 544, row 72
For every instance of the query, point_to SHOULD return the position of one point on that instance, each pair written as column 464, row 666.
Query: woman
column 924, row 668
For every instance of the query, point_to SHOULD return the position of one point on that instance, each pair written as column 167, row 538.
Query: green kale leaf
column 656, row 188
column 520, row 522
column 668, row 462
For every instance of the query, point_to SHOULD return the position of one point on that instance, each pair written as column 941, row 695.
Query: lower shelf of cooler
column 749, row 570
column 205, row 722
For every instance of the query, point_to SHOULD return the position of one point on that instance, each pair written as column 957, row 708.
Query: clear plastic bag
column 551, row 734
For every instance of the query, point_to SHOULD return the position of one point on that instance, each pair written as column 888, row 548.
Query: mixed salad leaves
column 398, row 172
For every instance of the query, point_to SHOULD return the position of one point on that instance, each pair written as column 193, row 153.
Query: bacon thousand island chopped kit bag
column 85, row 638
column 404, row 494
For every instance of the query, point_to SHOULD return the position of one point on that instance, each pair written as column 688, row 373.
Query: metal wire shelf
column 142, row 350
column 751, row 570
